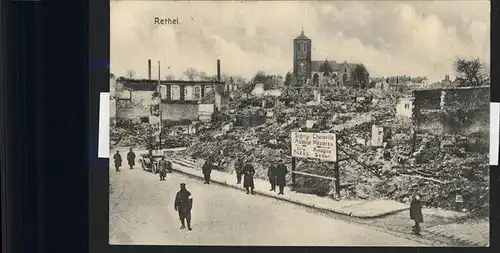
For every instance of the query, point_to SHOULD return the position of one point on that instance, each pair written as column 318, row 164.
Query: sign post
column 337, row 179
column 321, row 146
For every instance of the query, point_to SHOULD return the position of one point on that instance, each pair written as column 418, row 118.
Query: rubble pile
column 443, row 168
column 442, row 173
column 131, row 133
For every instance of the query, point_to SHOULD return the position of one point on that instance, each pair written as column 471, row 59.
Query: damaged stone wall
column 462, row 111
column 179, row 111
column 130, row 109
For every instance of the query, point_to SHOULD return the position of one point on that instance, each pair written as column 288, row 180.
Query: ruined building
column 321, row 73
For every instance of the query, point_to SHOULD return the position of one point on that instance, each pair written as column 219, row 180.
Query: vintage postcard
column 290, row 123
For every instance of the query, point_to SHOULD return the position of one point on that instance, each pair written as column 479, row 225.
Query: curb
column 464, row 241
column 288, row 199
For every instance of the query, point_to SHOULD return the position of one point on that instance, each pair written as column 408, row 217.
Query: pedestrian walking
column 248, row 172
column 281, row 172
column 271, row 175
column 162, row 167
column 416, row 211
column 118, row 160
column 207, row 170
column 131, row 158
column 238, row 168
column 183, row 204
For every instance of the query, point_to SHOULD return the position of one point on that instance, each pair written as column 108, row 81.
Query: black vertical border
column 495, row 97
column 22, row 230
column 99, row 58
column 64, row 126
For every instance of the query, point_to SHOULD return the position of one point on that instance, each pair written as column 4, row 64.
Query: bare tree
column 130, row 73
column 191, row 74
column 239, row 79
column 203, row 76
column 260, row 77
column 471, row 72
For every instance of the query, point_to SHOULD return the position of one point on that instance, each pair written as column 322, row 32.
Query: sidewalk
column 390, row 213
column 354, row 208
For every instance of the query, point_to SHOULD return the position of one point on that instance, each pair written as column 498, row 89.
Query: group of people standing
column 276, row 175
column 247, row 171
column 118, row 159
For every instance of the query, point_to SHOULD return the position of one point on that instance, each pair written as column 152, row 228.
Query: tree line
column 469, row 72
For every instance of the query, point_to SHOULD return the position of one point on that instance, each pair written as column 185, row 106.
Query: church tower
column 302, row 58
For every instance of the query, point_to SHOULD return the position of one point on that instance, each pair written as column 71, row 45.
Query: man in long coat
column 162, row 167
column 248, row 173
column 131, row 158
column 183, row 204
column 238, row 168
column 281, row 172
column 118, row 160
column 271, row 175
column 416, row 212
column 207, row 170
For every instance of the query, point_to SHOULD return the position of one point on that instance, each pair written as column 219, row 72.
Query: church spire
column 302, row 32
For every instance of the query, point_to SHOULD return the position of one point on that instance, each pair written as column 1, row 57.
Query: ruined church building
column 319, row 73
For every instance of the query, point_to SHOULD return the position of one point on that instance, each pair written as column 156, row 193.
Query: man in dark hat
column 281, row 172
column 162, row 167
column 131, row 158
column 248, row 172
column 118, row 160
column 416, row 210
column 183, row 204
column 207, row 170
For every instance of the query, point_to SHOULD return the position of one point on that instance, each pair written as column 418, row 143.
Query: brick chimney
column 149, row 69
column 218, row 70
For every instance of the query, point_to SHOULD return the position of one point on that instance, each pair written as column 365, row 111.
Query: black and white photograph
column 299, row 123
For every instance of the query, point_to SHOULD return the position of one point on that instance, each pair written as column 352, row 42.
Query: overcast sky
column 390, row 38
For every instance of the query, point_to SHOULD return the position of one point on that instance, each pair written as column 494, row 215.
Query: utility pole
column 159, row 106
column 337, row 171
column 294, row 164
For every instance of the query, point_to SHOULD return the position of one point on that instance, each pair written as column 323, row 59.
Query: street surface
column 142, row 212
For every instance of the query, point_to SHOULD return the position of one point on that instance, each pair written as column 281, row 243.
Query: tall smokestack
column 149, row 69
column 218, row 70
column 159, row 77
